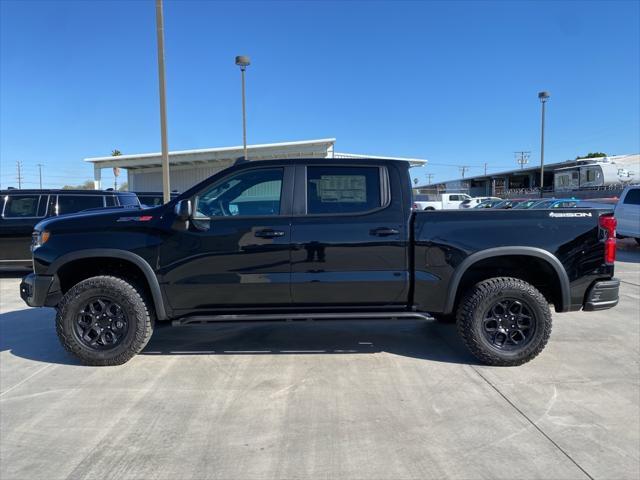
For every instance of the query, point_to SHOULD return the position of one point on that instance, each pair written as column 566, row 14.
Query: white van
column 627, row 213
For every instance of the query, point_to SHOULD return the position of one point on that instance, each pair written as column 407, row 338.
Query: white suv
column 627, row 213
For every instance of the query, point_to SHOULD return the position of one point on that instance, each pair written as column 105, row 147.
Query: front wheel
column 504, row 321
column 104, row 320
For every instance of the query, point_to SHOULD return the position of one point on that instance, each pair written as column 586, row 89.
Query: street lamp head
column 243, row 61
column 543, row 96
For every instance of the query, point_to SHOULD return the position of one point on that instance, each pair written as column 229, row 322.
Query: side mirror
column 183, row 210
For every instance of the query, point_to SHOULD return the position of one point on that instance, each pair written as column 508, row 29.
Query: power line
column 463, row 169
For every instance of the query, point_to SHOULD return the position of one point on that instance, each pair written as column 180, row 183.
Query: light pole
column 543, row 96
column 166, row 189
column 243, row 62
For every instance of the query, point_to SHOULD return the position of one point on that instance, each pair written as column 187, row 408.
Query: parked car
column 509, row 203
column 318, row 239
column 475, row 201
column 488, row 203
column 556, row 203
column 525, row 204
column 153, row 199
column 627, row 213
column 443, row 201
column 22, row 209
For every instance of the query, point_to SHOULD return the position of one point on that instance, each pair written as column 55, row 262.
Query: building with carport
column 188, row 167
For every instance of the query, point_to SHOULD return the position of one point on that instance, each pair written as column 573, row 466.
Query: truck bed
column 450, row 248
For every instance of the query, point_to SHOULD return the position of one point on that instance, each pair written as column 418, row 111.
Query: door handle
column 269, row 233
column 384, row 232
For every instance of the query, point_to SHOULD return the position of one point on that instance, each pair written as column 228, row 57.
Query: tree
column 87, row 185
column 116, row 153
column 592, row 155
column 124, row 187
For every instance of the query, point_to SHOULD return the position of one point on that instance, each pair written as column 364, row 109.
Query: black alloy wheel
column 509, row 324
column 101, row 324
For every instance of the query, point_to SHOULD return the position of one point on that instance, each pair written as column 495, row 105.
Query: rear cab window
column 343, row 189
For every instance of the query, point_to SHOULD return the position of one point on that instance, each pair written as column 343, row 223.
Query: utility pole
column 40, row 174
column 522, row 158
column 166, row 189
column 463, row 169
column 485, row 168
column 429, row 177
column 19, row 173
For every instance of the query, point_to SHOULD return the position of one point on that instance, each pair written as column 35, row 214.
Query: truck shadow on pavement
column 30, row 334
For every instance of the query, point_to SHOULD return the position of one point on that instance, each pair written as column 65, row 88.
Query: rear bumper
column 602, row 295
column 40, row 290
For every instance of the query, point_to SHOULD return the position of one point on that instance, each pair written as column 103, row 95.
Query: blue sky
column 453, row 82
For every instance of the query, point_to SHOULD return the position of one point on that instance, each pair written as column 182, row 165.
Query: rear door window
column 632, row 197
column 332, row 190
column 21, row 206
column 77, row 203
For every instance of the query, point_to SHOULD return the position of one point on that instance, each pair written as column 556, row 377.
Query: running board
column 288, row 317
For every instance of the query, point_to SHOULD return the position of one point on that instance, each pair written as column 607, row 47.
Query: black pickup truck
column 318, row 239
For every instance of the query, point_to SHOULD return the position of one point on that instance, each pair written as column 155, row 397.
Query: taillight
column 609, row 223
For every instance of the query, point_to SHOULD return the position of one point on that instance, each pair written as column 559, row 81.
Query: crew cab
column 20, row 210
column 442, row 201
column 318, row 239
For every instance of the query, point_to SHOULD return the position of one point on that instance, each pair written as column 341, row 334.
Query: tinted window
column 632, row 197
column 250, row 193
column 77, row 203
column 128, row 200
column 150, row 200
column 111, row 201
column 21, row 206
column 342, row 189
column 454, row 198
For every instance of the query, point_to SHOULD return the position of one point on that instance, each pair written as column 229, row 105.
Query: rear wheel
column 104, row 321
column 504, row 321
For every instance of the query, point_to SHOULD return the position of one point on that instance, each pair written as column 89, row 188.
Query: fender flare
column 551, row 259
column 152, row 280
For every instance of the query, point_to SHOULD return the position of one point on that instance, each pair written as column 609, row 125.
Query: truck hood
column 91, row 220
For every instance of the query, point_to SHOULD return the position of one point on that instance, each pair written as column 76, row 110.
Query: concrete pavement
column 377, row 399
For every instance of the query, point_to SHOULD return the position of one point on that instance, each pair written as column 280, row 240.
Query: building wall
column 181, row 178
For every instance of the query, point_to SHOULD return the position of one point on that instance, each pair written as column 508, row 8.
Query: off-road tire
column 481, row 296
column 139, row 312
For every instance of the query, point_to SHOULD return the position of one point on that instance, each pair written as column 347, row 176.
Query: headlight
column 39, row 238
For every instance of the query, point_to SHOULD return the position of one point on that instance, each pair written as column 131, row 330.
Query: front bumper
column 40, row 290
column 602, row 295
